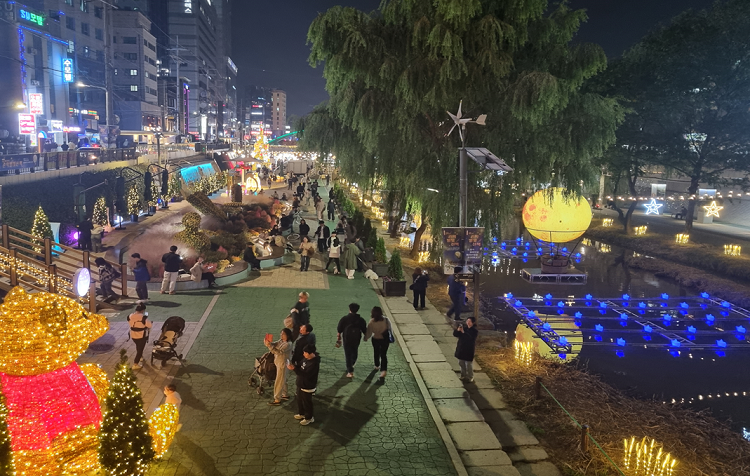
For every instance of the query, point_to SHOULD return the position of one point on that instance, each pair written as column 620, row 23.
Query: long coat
column 466, row 344
column 350, row 256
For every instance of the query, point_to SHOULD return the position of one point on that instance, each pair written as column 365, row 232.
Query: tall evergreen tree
column 125, row 442
column 392, row 74
column 41, row 229
column 99, row 215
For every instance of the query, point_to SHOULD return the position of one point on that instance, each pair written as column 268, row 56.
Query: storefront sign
column 36, row 103
column 31, row 17
column 55, row 126
column 68, row 71
column 27, row 124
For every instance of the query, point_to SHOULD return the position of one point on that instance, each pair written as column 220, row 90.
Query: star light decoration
column 652, row 208
column 713, row 209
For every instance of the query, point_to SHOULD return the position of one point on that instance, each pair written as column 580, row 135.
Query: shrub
column 372, row 238
column 395, row 269
column 366, row 230
column 380, row 254
column 204, row 205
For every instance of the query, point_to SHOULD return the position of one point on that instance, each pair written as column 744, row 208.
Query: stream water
column 701, row 379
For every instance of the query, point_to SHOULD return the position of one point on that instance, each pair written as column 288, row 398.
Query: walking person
column 306, row 250
column 139, row 330
column 142, row 277
column 107, row 275
column 331, row 207
column 320, row 207
column 307, row 383
column 467, row 340
column 96, row 238
column 457, row 293
column 323, row 233
column 351, row 252
column 199, row 272
column 334, row 253
column 350, row 330
column 306, row 337
column 379, row 328
column 282, row 355
column 419, row 287
column 304, row 228
column 300, row 313
column 172, row 263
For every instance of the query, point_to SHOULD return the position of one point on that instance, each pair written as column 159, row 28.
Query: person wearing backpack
column 334, row 253
column 142, row 277
column 379, row 328
column 350, row 330
column 139, row 330
column 107, row 274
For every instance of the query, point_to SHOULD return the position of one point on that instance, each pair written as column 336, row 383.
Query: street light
column 79, row 84
column 16, row 105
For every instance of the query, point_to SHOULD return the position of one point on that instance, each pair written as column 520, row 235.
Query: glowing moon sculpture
column 550, row 216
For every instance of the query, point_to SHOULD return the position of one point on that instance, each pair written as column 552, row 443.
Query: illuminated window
column 85, row 6
column 134, row 88
column 133, row 72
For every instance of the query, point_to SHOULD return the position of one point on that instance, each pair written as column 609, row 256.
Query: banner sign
column 473, row 249
column 462, row 247
column 26, row 124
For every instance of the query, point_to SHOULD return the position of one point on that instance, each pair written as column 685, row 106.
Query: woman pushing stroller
column 282, row 354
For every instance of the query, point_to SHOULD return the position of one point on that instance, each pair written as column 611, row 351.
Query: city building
column 134, row 78
column 257, row 109
column 278, row 118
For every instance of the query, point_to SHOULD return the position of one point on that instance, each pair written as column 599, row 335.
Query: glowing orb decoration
column 82, row 281
column 548, row 215
column 713, row 209
column 162, row 427
column 652, row 208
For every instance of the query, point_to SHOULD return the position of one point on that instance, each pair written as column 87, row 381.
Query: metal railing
column 35, row 162
column 43, row 265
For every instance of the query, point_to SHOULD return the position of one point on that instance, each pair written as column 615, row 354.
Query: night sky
column 269, row 38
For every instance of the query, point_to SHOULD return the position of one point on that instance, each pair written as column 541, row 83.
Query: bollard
column 538, row 388
column 585, row 438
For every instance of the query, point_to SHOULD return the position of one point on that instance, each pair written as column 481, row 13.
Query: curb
column 458, row 463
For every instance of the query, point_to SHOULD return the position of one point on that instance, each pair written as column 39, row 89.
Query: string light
column 640, row 230
column 607, row 222
column 647, row 458
column 682, row 238
column 523, row 352
column 732, row 250
column 162, row 427
column 40, row 229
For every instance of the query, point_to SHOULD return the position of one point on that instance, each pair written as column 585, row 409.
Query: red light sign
column 26, row 124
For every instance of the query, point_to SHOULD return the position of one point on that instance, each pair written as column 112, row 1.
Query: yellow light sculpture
column 550, row 216
column 162, row 427
column 713, row 209
column 640, row 230
column 647, row 458
column 523, row 352
column 607, row 222
column 732, row 250
column 682, row 238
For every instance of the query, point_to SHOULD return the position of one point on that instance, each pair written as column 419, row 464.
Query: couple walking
column 350, row 330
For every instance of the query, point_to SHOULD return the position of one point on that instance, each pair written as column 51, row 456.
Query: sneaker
column 350, row 375
column 377, row 367
column 172, row 292
column 351, row 277
column 299, row 417
column 162, row 292
column 137, row 366
column 382, row 374
column 469, row 380
column 306, row 422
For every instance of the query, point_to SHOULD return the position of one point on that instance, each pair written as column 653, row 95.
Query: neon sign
column 31, row 17
column 26, row 124
column 188, row 4
column 653, row 207
column 68, row 71
column 36, row 103
column 712, row 210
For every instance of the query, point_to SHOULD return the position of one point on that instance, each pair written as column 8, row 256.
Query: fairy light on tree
column 134, row 202
column 41, row 229
column 125, row 441
column 99, row 215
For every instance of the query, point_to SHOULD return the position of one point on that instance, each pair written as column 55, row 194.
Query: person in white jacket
column 334, row 253
column 282, row 354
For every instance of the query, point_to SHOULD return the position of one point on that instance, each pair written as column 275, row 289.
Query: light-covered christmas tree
column 99, row 215
column 155, row 193
column 134, row 201
column 125, row 447
column 41, row 229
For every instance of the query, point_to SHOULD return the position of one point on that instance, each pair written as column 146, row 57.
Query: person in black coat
column 305, row 337
column 350, row 329
column 419, row 287
column 307, row 383
column 250, row 257
column 467, row 341
column 323, row 233
column 304, row 228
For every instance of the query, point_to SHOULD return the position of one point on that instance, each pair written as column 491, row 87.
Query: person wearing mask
column 304, row 228
column 199, row 272
column 376, row 329
column 467, row 340
column 107, row 275
column 307, row 383
column 457, row 293
column 419, row 287
column 349, row 332
column 142, row 277
column 322, row 233
column 331, row 207
column 300, row 313
column 139, row 330
column 306, row 337
column 351, row 252
column 306, row 250
column 172, row 263
column 282, row 354
column 334, row 253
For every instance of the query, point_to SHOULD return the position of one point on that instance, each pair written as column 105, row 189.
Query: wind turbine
column 460, row 121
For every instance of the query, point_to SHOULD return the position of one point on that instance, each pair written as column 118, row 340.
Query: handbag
column 388, row 334
column 289, row 322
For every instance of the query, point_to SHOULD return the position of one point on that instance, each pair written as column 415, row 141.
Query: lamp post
column 79, row 84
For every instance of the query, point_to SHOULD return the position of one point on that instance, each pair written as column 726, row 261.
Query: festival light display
column 640, row 230
column 552, row 216
column 523, row 352
column 647, row 458
column 682, row 238
column 652, row 208
column 733, row 250
column 713, row 209
column 163, row 426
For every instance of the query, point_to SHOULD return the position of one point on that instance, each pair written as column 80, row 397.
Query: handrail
column 581, row 427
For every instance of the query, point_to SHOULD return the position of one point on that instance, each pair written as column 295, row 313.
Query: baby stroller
column 165, row 345
column 264, row 374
